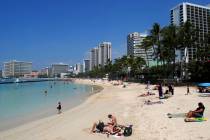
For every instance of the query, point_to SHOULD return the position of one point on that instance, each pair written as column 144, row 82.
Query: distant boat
column 17, row 80
column 6, row 80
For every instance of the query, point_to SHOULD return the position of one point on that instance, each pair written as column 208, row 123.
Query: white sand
column 150, row 122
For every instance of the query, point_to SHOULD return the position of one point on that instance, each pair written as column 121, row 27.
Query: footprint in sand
column 59, row 138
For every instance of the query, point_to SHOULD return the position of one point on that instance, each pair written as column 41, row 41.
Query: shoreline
column 149, row 121
column 49, row 111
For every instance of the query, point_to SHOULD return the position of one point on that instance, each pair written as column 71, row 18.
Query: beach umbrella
column 204, row 84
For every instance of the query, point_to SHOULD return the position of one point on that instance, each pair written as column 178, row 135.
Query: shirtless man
column 112, row 123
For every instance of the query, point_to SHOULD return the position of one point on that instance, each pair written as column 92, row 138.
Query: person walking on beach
column 188, row 90
column 148, row 87
column 160, row 90
column 59, row 107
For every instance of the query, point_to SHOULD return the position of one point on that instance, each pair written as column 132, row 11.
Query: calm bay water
column 23, row 102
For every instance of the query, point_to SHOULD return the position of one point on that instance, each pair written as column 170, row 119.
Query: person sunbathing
column 146, row 94
column 148, row 102
column 105, row 128
column 198, row 113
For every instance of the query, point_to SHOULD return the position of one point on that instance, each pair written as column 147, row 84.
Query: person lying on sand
column 198, row 113
column 148, row 102
column 146, row 94
column 103, row 128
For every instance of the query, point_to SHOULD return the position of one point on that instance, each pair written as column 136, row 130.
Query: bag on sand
column 100, row 126
column 127, row 131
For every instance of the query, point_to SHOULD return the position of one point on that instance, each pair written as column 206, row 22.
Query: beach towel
column 195, row 119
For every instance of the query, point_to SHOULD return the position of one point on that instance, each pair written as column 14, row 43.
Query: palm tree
column 146, row 45
column 170, row 41
column 155, row 33
column 187, row 38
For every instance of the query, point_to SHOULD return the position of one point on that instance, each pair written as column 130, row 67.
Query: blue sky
column 49, row 31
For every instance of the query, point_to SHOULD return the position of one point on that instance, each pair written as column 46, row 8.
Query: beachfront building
column 17, row 68
column 104, row 53
column 199, row 17
column 134, row 41
column 100, row 55
column 45, row 72
column 86, row 65
column 57, row 69
column 78, row 68
column 93, row 58
column 33, row 74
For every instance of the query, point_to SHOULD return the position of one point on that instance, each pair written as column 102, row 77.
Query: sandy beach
column 150, row 122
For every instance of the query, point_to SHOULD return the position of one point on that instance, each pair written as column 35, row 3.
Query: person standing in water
column 59, row 107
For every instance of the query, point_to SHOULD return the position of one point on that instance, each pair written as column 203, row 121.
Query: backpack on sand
column 127, row 131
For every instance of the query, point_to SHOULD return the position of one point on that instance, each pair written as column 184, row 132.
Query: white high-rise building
column 134, row 41
column 104, row 53
column 93, row 58
column 199, row 17
column 17, row 68
column 78, row 68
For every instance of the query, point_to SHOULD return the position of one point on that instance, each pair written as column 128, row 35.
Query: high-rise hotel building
column 134, row 42
column 100, row 55
column 199, row 17
column 104, row 53
column 17, row 68
column 59, row 68
column 93, row 58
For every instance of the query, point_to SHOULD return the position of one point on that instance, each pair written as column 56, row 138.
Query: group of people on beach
column 111, row 128
column 197, row 113
column 168, row 92
column 108, row 127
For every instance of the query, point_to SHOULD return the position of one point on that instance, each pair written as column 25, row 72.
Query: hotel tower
column 199, row 17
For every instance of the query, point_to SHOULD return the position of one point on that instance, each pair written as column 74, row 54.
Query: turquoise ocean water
column 23, row 102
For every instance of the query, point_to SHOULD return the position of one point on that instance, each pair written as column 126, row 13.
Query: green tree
column 170, row 43
column 155, row 34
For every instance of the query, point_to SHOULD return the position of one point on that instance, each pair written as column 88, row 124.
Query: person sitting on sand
column 109, row 127
column 198, row 113
column 113, row 120
column 171, row 89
